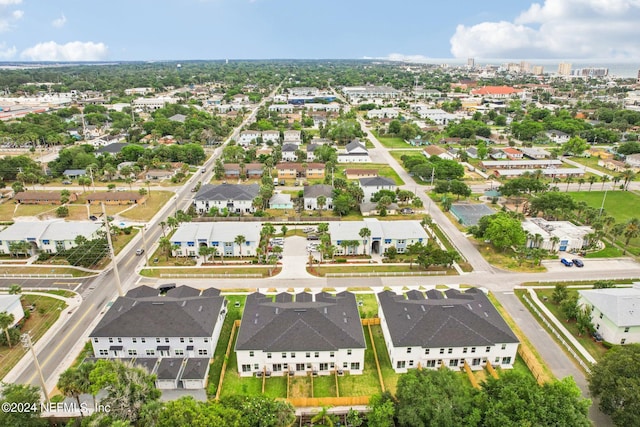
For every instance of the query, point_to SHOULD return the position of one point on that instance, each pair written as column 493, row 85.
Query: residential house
column 612, row 165
column 352, row 173
column 271, row 136
column 47, row 236
column 384, row 234
column 239, row 99
column 280, row 201
column 248, row 137
column 74, row 173
column 253, row 170
column 370, row 186
column 557, row 136
column 311, row 148
column 563, row 236
column 513, row 154
column 370, row 208
column 152, row 104
column 11, row 304
column 615, row 312
column 281, row 108
column 116, row 198
column 499, row 92
column 472, row 152
column 191, row 236
column 176, row 333
column 633, row 160
column 354, row 152
column 311, row 194
column 535, row 153
column 436, row 115
column 496, row 154
column 292, row 136
column 289, row 170
column 383, row 113
column 445, row 329
column 42, row 197
column 315, row 171
column 232, row 170
column 435, row 150
column 159, row 174
column 304, row 334
column 234, row 197
column 289, row 152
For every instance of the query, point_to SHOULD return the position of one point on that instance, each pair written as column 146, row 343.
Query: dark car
column 596, row 336
column 578, row 262
column 166, row 287
column 93, row 218
column 566, row 262
column 406, row 211
column 313, row 237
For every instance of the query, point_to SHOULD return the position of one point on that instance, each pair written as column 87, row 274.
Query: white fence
column 388, row 273
column 37, row 276
column 209, row 276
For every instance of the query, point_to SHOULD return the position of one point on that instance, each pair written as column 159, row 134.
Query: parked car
column 596, row 336
column 312, row 237
column 66, row 182
column 139, row 251
column 93, row 218
column 406, row 211
column 566, row 262
column 578, row 262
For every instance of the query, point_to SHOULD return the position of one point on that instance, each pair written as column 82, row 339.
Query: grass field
column 376, row 268
column 146, row 211
column 156, row 272
column 392, row 142
column 10, row 210
column 383, row 170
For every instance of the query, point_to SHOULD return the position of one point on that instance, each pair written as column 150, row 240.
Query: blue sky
column 263, row 29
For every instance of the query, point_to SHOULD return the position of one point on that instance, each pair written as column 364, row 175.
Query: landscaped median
column 351, row 270
column 230, row 272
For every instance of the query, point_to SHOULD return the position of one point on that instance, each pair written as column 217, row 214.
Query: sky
column 132, row 30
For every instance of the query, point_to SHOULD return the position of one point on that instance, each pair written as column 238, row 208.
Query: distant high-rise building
column 564, row 69
column 471, row 62
column 591, row 72
column 525, row 67
column 538, row 70
column 638, row 77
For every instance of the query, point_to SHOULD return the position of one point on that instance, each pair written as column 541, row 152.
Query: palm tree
column 6, row 319
column 365, row 233
column 240, row 240
column 324, row 418
column 568, row 180
column 603, row 179
column 72, row 383
column 163, row 225
column 554, row 241
column 627, row 175
column 165, row 245
column 15, row 289
column 631, row 230
column 592, row 179
column 172, row 222
column 580, row 182
column 321, row 201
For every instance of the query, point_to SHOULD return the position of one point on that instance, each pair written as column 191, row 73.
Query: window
column 449, row 351
column 349, row 352
column 166, row 340
column 256, row 367
column 284, row 355
column 132, row 352
column 316, row 354
column 601, row 315
column 104, row 352
column 431, row 364
column 246, row 368
column 504, row 346
column 134, row 339
column 293, row 355
column 191, row 340
column 179, row 352
column 506, row 360
column 151, row 352
column 497, row 360
column 110, row 339
column 464, row 350
column 408, row 350
column 332, row 354
column 355, row 366
column 475, row 362
column 206, row 340
column 157, row 339
column 623, row 340
column 426, row 351
column 251, row 354
column 401, row 241
column 442, row 351
column 268, row 355
column 308, row 354
column 181, row 339
column 488, row 349
column 473, row 349
column 410, row 362
column 345, row 365
column 400, row 364
column 95, row 340
column 119, row 340
column 453, row 362
column 277, row 367
column 324, row 366
column 202, row 352
column 143, row 340
column 626, row 329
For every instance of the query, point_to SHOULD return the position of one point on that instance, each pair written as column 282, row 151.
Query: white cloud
column 604, row 29
column 401, row 57
column 9, row 2
column 9, row 17
column 72, row 51
column 7, row 52
column 59, row 22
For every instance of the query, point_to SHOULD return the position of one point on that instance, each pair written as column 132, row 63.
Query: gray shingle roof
column 376, row 181
column 327, row 324
column 169, row 368
column 228, row 192
column 156, row 316
column 318, row 190
column 195, row 369
column 460, row 319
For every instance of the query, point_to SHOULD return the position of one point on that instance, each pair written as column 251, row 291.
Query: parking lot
column 590, row 264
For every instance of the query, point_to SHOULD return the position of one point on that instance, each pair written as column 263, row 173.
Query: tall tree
column 6, row 320
column 365, row 233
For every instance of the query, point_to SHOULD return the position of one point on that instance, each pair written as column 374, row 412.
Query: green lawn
column 218, row 357
column 369, row 307
column 392, row 142
column 383, row 170
column 389, row 376
column 275, row 387
column 324, row 386
column 608, row 252
column 145, row 211
column 377, row 268
column 366, row 384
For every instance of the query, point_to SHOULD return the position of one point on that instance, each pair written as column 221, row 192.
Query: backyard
column 384, row 170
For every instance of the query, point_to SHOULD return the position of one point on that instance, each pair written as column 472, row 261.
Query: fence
column 371, row 321
column 388, row 273
column 329, row 401
column 556, row 334
column 210, row 276
column 38, row 276
column 236, row 325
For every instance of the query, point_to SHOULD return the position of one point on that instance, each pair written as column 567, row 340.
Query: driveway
column 590, row 265
column 294, row 259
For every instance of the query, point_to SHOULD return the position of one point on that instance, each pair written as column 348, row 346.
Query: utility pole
column 27, row 343
column 144, row 245
column 433, row 171
column 111, row 252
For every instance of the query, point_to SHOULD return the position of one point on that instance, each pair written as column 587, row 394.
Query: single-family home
column 47, row 236
column 615, row 312
column 633, row 160
column 556, row 235
column 315, row 171
column 234, row 197
column 472, row 152
column 370, row 208
column 451, row 329
column 370, row 186
column 496, row 154
column 435, row 150
column 42, row 197
column 311, row 148
column 354, row 152
column 159, row 174
column 304, row 334
column 281, row 108
column 248, row 136
column 311, row 194
column 232, row 170
column 191, row 236
column 384, row 234
column 512, row 153
column 293, row 136
column 289, row 152
column 612, row 165
column 535, row 153
column 353, row 173
column 74, row 173
column 271, row 136
column 253, row 170
column 116, row 198
column 280, row 201
column 557, row 136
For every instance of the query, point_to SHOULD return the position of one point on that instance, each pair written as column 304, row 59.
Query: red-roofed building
column 513, row 154
column 496, row 91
